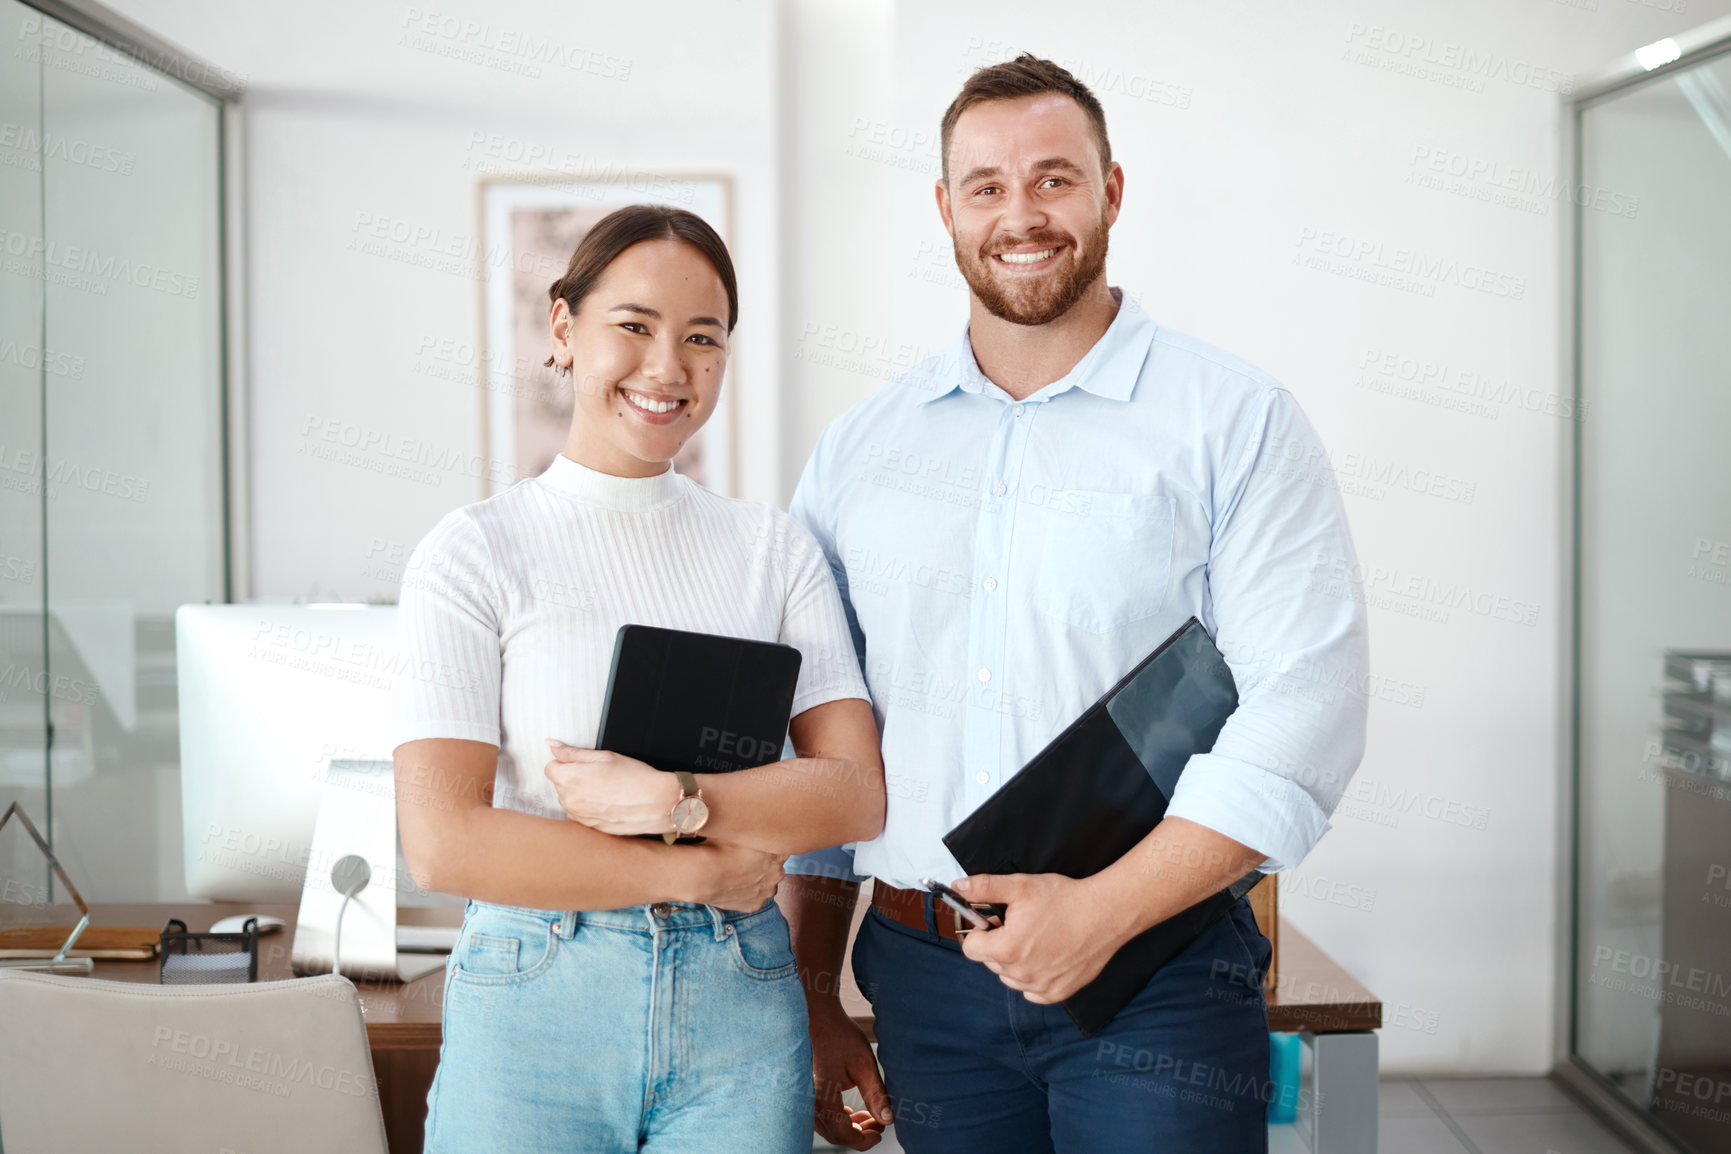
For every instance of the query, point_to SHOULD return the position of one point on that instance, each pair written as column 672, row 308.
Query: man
column 1014, row 524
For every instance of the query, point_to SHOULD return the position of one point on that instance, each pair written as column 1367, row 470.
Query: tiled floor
column 1461, row 1116
column 1486, row 1116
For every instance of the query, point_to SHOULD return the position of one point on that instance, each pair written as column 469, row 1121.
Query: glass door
column 112, row 488
column 135, row 527
column 1652, row 901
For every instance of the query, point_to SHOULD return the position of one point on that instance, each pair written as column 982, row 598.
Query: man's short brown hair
column 1026, row 75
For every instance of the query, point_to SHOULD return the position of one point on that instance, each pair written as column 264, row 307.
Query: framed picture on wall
column 529, row 227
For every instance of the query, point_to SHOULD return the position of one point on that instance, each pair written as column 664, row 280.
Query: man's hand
column 1058, row 933
column 842, row 1059
column 819, row 912
column 612, row 793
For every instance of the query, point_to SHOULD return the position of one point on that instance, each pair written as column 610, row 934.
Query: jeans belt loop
column 567, row 925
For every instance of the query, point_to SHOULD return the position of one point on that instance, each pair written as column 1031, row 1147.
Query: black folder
column 697, row 701
column 1098, row 788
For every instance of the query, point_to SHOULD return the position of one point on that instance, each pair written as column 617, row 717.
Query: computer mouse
column 237, row 924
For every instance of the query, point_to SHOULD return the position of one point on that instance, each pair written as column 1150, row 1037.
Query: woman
column 612, row 992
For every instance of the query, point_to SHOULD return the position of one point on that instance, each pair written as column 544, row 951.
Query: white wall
column 838, row 266
column 1253, row 135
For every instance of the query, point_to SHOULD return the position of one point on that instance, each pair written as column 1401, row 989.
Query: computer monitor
column 269, row 694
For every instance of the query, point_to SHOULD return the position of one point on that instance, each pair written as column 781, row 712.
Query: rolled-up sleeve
column 1287, row 611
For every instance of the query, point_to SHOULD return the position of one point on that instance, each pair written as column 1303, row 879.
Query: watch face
column 689, row 814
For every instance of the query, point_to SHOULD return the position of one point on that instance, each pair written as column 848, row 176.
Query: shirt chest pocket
column 1105, row 558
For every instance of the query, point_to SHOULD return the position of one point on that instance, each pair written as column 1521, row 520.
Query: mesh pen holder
column 190, row 959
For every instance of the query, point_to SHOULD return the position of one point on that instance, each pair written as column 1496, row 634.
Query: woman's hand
column 733, row 877
column 610, row 792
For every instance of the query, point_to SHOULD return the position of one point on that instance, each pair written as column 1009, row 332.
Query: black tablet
column 1096, row 791
column 697, row 701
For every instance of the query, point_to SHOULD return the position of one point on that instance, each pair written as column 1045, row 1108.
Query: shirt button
column 982, row 777
column 1017, row 410
column 990, row 584
column 985, row 675
column 999, row 489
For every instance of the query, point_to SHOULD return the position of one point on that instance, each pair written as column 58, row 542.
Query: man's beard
column 1025, row 301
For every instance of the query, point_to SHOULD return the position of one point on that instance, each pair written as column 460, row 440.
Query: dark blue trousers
column 973, row 1066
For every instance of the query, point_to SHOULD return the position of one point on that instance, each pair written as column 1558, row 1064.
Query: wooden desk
column 1312, row 994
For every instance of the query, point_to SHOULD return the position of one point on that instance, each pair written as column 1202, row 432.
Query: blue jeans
column 659, row 1028
column 973, row 1066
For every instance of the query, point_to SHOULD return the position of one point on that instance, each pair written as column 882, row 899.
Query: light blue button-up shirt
column 1004, row 562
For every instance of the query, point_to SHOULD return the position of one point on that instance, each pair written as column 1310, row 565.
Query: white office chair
column 254, row 1068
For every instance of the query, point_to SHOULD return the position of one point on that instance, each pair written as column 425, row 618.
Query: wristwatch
column 689, row 812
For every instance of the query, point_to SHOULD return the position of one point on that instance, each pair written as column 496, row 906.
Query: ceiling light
column 1657, row 54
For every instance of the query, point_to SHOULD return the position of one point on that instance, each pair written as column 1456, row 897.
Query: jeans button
column 661, row 909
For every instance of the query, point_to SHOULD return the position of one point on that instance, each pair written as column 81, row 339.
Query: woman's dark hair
column 634, row 224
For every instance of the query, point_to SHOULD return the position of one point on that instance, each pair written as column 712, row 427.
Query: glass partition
column 111, row 421
column 1652, row 901
column 23, row 650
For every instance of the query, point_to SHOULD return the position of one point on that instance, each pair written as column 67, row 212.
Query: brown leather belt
column 909, row 908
